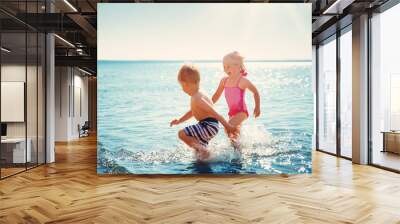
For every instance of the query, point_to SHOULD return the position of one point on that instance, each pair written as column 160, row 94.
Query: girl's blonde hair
column 236, row 58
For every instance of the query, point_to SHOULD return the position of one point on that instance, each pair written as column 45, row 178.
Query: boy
column 201, row 107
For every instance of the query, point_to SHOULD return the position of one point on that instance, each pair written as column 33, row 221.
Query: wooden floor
column 5, row 172
column 387, row 159
column 70, row 191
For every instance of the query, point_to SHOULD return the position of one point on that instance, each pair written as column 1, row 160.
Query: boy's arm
column 208, row 107
column 256, row 95
column 184, row 118
column 219, row 91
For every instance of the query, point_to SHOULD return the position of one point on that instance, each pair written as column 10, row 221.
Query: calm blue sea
column 138, row 99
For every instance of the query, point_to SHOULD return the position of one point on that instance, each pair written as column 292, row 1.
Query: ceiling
column 75, row 22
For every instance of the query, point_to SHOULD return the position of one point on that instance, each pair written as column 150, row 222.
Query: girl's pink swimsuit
column 235, row 99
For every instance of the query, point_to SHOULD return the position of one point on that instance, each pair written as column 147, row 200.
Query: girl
column 234, row 86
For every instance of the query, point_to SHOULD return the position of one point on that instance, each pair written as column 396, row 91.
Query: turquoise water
column 138, row 99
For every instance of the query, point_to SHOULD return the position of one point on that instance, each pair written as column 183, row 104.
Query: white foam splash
column 254, row 139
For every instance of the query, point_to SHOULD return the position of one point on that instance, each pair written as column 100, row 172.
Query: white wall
column 70, row 83
column 79, row 117
column 62, row 81
column 12, row 73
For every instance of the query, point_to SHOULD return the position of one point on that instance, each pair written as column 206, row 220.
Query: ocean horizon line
column 204, row 60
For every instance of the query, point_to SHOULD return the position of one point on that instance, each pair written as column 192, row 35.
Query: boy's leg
column 195, row 144
column 189, row 140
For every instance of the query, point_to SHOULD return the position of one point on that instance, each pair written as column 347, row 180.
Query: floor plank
column 70, row 191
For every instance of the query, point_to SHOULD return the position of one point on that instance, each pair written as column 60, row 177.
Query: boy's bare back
column 198, row 112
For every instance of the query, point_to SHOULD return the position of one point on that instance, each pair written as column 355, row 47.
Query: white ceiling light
column 338, row 6
column 86, row 72
column 70, row 5
column 64, row 40
column 5, row 50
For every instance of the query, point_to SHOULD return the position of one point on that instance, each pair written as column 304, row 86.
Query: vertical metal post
column 369, row 101
column 26, row 85
column 50, row 91
column 0, row 97
column 317, row 96
column 360, row 90
column 338, row 81
column 37, row 89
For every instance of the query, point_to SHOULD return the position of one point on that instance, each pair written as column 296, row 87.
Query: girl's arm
column 219, row 91
column 256, row 95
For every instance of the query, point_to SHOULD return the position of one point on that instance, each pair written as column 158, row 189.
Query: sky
column 188, row 31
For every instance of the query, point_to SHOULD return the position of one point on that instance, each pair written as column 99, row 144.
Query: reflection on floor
column 70, row 191
column 387, row 159
column 8, row 170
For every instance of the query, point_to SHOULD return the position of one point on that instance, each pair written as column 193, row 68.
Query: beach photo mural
column 204, row 88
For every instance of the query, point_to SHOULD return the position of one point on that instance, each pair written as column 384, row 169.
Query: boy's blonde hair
column 234, row 57
column 189, row 73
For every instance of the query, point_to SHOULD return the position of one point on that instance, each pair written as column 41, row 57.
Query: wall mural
column 204, row 88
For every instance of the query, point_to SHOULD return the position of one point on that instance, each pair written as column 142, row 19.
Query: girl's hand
column 174, row 122
column 257, row 112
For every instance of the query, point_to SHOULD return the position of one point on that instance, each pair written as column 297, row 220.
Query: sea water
column 138, row 99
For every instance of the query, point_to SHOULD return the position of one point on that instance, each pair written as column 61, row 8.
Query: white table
column 18, row 145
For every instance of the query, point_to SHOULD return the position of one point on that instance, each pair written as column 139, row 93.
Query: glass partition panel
column 22, row 77
column 346, row 94
column 31, row 100
column 385, row 89
column 41, row 98
column 327, row 97
column 14, row 153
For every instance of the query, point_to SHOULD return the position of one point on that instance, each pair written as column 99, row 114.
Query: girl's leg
column 237, row 120
column 201, row 152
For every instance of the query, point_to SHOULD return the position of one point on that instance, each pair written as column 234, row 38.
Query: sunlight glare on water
column 137, row 100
